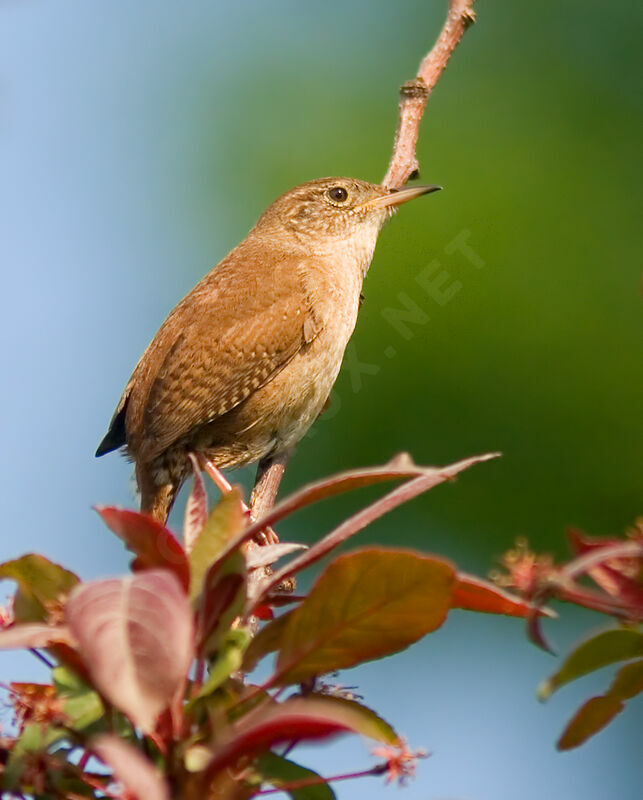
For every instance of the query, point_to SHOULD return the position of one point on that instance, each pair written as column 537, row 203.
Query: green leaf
column 224, row 523
column 67, row 681
column 628, row 681
column 67, row 786
column 41, row 583
column 278, row 771
column 266, row 641
column 34, row 738
column 84, row 710
column 83, row 706
column 371, row 724
column 228, row 660
column 366, row 605
column 617, row 644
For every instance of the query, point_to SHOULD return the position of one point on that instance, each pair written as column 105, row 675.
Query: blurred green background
column 140, row 142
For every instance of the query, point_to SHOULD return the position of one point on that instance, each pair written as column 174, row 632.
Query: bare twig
column 265, row 535
column 317, row 780
column 414, row 94
column 269, row 475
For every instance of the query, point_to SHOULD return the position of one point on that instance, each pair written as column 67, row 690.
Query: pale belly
column 276, row 416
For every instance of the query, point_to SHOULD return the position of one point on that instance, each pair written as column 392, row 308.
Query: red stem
column 593, row 600
column 599, row 556
column 396, row 497
column 302, row 783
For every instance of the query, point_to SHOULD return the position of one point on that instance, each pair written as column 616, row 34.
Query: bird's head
column 327, row 213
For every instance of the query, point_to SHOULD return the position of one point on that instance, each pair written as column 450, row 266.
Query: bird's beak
column 396, row 197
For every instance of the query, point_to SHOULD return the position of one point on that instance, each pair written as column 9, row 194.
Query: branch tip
column 414, row 93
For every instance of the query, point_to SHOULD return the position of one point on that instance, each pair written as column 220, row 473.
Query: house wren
column 244, row 364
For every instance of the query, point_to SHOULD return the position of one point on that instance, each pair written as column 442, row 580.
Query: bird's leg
column 269, row 474
column 218, row 478
column 224, row 486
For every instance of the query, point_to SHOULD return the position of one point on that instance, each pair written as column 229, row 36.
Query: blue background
column 138, row 144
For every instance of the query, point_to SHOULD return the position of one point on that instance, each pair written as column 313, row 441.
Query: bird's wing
column 229, row 337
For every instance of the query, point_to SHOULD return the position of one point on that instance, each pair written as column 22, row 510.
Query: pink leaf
column 196, row 509
column 152, row 543
column 34, row 634
column 264, row 556
column 136, row 637
column 131, row 768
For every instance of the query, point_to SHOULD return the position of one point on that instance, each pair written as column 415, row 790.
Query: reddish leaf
column 367, row 604
column 153, row 544
column 136, row 636
column 427, row 479
column 34, row 634
column 36, row 702
column 420, row 479
column 284, row 722
column 599, row 711
column 590, row 718
column 535, row 634
column 475, row 594
column 619, row 577
column 131, row 768
column 264, row 613
column 222, row 599
column 42, row 586
column 196, row 509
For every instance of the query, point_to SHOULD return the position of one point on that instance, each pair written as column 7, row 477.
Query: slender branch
column 263, row 535
column 317, row 780
column 414, row 94
column 269, row 475
column 604, row 604
column 600, row 556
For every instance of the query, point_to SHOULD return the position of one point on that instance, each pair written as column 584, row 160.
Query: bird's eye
column 338, row 194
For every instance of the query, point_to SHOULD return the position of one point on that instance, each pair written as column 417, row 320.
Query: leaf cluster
column 152, row 693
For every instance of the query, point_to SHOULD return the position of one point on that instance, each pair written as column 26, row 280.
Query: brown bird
column 244, row 364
